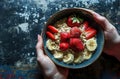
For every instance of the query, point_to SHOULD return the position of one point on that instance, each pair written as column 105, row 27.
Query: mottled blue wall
column 22, row 20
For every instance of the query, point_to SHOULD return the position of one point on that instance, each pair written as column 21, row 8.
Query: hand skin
column 51, row 71
column 112, row 45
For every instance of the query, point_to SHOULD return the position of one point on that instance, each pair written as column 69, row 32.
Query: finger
column 40, row 42
column 43, row 60
column 39, row 48
column 106, row 25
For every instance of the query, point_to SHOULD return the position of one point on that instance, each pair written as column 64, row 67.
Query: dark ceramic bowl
column 86, row 15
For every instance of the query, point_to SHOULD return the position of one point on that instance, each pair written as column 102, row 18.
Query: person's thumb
column 39, row 49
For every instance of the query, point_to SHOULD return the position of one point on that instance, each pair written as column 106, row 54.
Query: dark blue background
column 22, row 20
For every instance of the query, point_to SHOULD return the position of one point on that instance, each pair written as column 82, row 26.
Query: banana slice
column 58, row 55
column 51, row 45
column 79, row 59
column 87, row 55
column 68, row 58
column 91, row 44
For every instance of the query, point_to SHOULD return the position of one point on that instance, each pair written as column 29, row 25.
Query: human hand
column 112, row 38
column 50, row 70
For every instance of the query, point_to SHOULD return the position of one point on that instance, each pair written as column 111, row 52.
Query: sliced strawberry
column 76, row 44
column 50, row 35
column 63, row 46
column 75, row 32
column 74, row 21
column 85, row 26
column 90, row 32
column 52, row 29
column 64, row 36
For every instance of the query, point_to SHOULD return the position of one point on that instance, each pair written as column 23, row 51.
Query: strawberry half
column 74, row 21
column 75, row 32
column 52, row 29
column 64, row 36
column 63, row 46
column 76, row 44
column 90, row 32
column 50, row 35
column 84, row 26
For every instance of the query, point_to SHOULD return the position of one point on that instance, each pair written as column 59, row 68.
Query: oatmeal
column 71, row 40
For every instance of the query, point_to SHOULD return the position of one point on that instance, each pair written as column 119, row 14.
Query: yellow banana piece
column 68, row 58
column 51, row 45
column 58, row 55
column 79, row 59
column 48, row 44
column 87, row 55
column 91, row 44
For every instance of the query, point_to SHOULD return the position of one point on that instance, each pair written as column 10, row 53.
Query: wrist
column 58, row 76
column 55, row 76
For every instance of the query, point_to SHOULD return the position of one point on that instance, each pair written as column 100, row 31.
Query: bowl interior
column 87, row 16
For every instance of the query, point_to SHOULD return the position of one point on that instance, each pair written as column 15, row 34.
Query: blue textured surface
column 22, row 20
column 8, row 72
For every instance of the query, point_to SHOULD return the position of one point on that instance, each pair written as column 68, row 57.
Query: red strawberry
column 75, row 32
column 76, row 44
column 74, row 21
column 85, row 26
column 52, row 29
column 90, row 32
column 50, row 35
column 64, row 36
column 64, row 46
